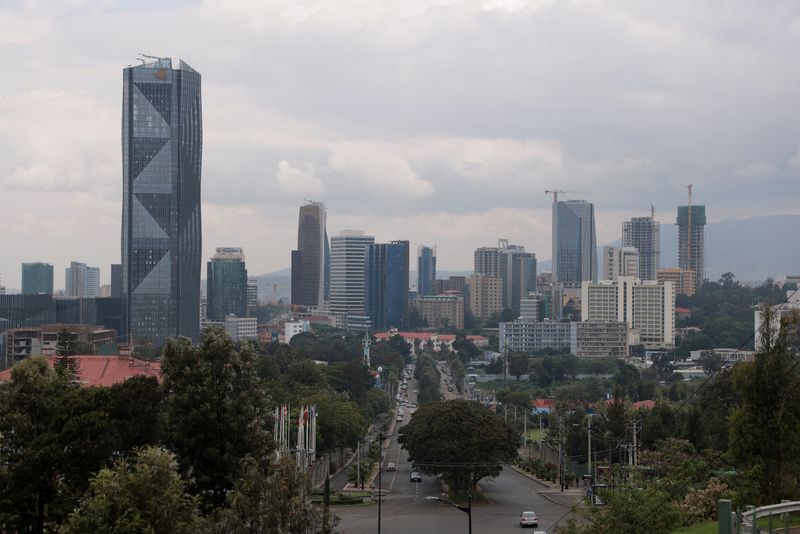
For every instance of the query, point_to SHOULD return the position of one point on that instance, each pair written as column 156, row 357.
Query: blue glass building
column 162, row 142
column 37, row 279
column 426, row 270
column 388, row 284
column 574, row 243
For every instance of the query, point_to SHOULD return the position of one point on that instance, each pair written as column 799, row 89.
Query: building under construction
column 643, row 234
column 691, row 240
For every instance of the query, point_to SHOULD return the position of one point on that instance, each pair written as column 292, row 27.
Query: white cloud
column 298, row 178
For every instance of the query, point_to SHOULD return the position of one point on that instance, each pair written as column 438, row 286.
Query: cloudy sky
column 437, row 121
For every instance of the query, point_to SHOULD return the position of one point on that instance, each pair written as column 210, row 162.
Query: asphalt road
column 405, row 508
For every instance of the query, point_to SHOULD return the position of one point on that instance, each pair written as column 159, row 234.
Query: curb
column 546, row 494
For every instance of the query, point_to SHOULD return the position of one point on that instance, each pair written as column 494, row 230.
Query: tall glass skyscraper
column 37, row 279
column 227, row 284
column 349, row 278
column 426, row 269
column 574, row 242
column 311, row 260
column 644, row 234
column 162, row 143
column 388, row 284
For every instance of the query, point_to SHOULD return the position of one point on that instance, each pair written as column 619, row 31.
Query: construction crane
column 652, row 212
column 555, row 193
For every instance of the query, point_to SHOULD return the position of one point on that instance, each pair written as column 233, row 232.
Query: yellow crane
column 555, row 193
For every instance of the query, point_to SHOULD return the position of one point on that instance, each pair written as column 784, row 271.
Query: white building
column 291, row 329
column 348, row 287
column 241, row 328
column 82, row 280
column 529, row 306
column 584, row 339
column 647, row 307
column 620, row 261
column 786, row 310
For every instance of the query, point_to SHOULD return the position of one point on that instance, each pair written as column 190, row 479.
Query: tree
column 765, row 428
column 518, row 364
column 461, row 441
column 145, row 494
column 274, row 500
column 65, row 354
column 135, row 409
column 215, row 411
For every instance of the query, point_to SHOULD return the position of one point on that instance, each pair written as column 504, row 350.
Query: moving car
column 416, row 477
column 528, row 519
column 391, row 466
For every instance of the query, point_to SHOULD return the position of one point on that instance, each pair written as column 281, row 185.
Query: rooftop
column 105, row 370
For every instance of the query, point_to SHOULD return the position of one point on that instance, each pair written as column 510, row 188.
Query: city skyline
column 631, row 122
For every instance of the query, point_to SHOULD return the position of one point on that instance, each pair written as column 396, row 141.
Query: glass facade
column 574, row 242
column 37, row 279
column 388, row 284
column 162, row 141
column 310, row 271
column 227, row 288
column 426, row 270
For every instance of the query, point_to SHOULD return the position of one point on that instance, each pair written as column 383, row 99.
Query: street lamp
column 381, row 437
column 466, row 509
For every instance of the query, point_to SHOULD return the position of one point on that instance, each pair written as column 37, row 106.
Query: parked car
column 528, row 519
column 416, row 477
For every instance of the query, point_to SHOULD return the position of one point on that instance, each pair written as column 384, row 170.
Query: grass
column 536, row 434
column 707, row 527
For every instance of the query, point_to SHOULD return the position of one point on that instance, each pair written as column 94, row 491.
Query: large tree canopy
column 461, row 441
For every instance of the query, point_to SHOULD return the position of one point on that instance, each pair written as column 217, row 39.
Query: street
column 405, row 508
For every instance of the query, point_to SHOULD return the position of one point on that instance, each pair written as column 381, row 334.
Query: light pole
column 381, row 437
column 466, row 509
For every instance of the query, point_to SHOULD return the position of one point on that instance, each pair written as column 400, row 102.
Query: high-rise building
column 388, row 284
column 426, row 269
column 691, row 241
column 162, row 141
column 682, row 280
column 486, row 261
column 620, row 261
column 227, row 284
column 252, row 294
column 349, row 280
column 116, row 280
column 37, row 279
column 574, row 242
column 484, row 295
column 310, row 260
column 442, row 310
column 644, row 234
column 81, row 280
column 453, row 283
column 647, row 307
column 517, row 270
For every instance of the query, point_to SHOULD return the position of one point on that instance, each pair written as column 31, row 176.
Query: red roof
column 543, row 403
column 645, row 404
column 105, row 370
column 683, row 310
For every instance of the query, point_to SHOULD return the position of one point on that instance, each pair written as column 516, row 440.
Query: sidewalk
column 552, row 491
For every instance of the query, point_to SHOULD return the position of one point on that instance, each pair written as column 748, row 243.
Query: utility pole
column 561, row 454
column 589, row 438
column 635, row 422
column 359, row 481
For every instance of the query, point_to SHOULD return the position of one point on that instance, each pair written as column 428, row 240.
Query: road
column 405, row 508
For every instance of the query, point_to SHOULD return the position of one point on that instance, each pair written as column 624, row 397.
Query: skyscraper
column 574, row 242
column 310, row 267
column 227, row 284
column 116, row 280
column 644, row 234
column 80, row 280
column 426, row 269
column 485, row 261
column 37, row 279
column 349, row 281
column 388, row 284
column 162, row 141
column 620, row 261
column 692, row 241
column 517, row 270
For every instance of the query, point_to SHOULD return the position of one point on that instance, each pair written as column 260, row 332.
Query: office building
column 252, row 296
column 517, row 270
column 530, row 308
column 646, row 307
column 682, row 280
column 583, row 339
column 574, row 242
column 621, row 261
column 37, row 279
column 116, row 280
column 644, row 234
column 426, row 269
column 454, row 283
column 486, row 261
column 162, row 141
column 26, row 311
column 22, row 343
column 349, row 279
column 226, row 284
column 241, row 328
column 484, row 295
column 388, row 276
column 691, row 241
column 310, row 262
column 82, row 280
column 292, row 328
column 441, row 311
column 105, row 291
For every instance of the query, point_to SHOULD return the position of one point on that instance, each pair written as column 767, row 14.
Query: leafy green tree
column 135, row 409
column 517, row 364
column 340, row 423
column 461, row 441
column 215, row 411
column 141, row 495
column 270, row 500
column 632, row 510
column 66, row 349
column 765, row 428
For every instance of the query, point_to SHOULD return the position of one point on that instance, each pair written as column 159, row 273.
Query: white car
column 528, row 519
